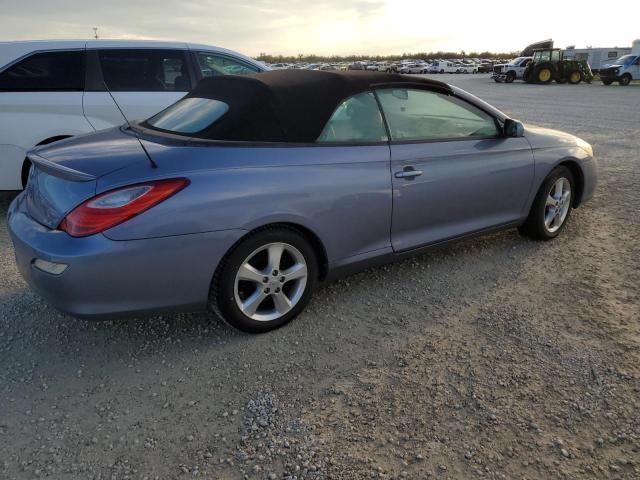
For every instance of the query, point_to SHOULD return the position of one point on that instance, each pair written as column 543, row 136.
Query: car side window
column 46, row 71
column 357, row 119
column 212, row 64
column 145, row 70
column 426, row 115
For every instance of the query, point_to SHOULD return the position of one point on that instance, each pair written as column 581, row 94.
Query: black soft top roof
column 289, row 105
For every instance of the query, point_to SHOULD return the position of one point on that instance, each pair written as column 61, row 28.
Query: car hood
column 540, row 137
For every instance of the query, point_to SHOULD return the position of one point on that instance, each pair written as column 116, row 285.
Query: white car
column 441, row 66
column 467, row 68
column 413, row 68
column 50, row 90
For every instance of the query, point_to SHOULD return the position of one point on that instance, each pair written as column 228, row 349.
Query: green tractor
column 549, row 64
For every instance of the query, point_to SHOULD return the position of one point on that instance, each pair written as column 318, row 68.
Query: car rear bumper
column 106, row 278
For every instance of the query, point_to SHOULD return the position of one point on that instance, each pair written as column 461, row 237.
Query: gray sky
column 330, row 26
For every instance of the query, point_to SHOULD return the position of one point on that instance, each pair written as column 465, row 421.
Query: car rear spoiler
column 58, row 170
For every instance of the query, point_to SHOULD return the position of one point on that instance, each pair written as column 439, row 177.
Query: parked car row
column 416, row 66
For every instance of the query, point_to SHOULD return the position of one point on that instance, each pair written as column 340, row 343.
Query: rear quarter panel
column 340, row 193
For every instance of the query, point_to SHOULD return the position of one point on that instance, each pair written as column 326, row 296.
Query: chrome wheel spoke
column 299, row 270
column 551, row 202
column 275, row 256
column 282, row 302
column 249, row 273
column 250, row 306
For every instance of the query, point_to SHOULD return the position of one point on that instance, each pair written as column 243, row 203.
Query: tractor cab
column 547, row 55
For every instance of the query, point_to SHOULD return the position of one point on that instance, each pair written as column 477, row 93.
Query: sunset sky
column 330, row 26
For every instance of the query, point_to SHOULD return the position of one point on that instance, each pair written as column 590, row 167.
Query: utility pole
column 95, row 32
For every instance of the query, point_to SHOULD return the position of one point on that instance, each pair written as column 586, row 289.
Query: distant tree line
column 301, row 58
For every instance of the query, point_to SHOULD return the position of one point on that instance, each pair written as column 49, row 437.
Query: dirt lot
column 497, row 358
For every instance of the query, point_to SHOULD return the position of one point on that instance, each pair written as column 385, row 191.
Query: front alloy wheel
column 558, row 204
column 265, row 281
column 551, row 207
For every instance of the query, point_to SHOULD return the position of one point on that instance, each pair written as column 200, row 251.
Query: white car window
column 145, row 70
column 46, row 71
column 212, row 64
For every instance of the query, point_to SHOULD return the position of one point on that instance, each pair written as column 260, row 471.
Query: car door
column 454, row 173
column 142, row 80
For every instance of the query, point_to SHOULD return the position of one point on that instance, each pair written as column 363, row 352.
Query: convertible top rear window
column 189, row 115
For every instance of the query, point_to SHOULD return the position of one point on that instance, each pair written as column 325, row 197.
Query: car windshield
column 625, row 59
column 189, row 115
column 516, row 61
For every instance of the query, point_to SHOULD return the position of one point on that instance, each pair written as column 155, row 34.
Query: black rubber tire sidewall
column 510, row 77
column 534, row 224
column 625, row 80
column 223, row 285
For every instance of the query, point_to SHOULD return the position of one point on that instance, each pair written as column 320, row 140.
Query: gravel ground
column 498, row 357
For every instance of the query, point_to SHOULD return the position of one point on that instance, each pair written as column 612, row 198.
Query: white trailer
column 596, row 57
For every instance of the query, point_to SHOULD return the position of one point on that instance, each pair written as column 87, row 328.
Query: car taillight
column 116, row 206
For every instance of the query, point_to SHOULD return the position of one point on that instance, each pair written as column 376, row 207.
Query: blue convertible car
column 250, row 191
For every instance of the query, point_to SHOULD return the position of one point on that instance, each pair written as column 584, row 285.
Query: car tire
column 551, row 208
column 277, row 267
column 511, row 76
column 625, row 80
column 607, row 82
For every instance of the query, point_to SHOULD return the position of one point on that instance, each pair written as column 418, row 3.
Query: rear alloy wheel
column 551, row 207
column 575, row 77
column 266, row 281
column 625, row 80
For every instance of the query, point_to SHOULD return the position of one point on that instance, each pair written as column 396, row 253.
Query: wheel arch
column 314, row 240
column 578, row 177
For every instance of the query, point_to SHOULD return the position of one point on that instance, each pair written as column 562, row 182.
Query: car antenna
column 153, row 164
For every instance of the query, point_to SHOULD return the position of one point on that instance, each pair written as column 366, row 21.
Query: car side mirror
column 513, row 128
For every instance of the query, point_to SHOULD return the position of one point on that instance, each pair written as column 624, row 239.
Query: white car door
column 142, row 80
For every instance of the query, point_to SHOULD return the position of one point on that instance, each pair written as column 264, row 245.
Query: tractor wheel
column 575, row 77
column 543, row 73
column 511, row 76
column 607, row 82
column 625, row 80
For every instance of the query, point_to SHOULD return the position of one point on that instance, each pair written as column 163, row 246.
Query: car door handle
column 408, row 173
